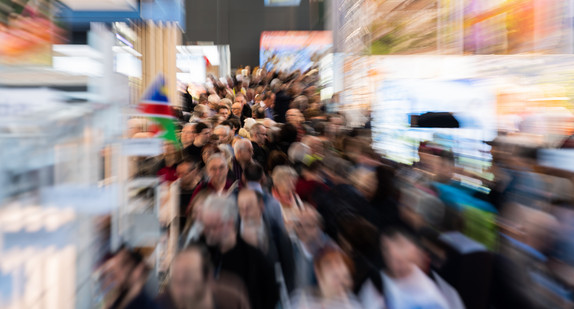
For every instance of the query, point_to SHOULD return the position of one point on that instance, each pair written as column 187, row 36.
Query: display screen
column 293, row 50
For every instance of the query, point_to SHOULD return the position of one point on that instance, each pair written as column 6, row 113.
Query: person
column 245, row 108
column 200, row 113
column 254, row 179
column 192, row 285
column 295, row 117
column 282, row 101
column 284, row 178
column 203, row 135
column 308, row 240
column 405, row 283
column 188, row 134
column 124, row 275
column 310, row 183
column 259, row 142
column 213, row 102
column 189, row 174
column 268, row 99
column 236, row 111
column 269, row 237
column 217, row 181
column 243, row 155
column 223, row 134
column 229, row 253
column 333, row 270
column 223, row 111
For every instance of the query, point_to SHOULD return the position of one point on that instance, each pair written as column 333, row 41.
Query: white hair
column 213, row 98
column 283, row 173
column 249, row 122
column 224, row 207
column 226, row 128
column 241, row 144
column 215, row 156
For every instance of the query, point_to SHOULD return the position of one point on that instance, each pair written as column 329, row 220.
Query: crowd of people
column 283, row 205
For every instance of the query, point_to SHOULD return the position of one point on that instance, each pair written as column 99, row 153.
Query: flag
column 155, row 105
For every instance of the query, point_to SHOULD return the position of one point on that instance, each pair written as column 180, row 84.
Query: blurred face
column 333, row 276
column 222, row 135
column 245, row 155
column 241, row 100
column 307, row 227
column 217, row 170
column 250, row 210
column 224, row 112
column 270, row 101
column 187, row 135
column 187, row 173
column 187, row 283
column 286, row 185
column 260, row 137
column 401, row 255
column 236, row 109
column 214, row 228
column 203, row 137
column 206, row 153
column 294, row 116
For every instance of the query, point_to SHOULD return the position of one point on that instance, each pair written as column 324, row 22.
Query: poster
column 294, row 50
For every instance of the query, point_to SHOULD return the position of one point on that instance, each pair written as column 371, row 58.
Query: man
column 223, row 111
column 229, row 253
column 243, row 150
column 213, row 104
column 236, row 111
column 245, row 108
column 264, row 234
column 268, row 99
column 200, row 113
column 223, row 134
column 217, row 183
column 125, row 275
column 188, row 134
column 191, row 284
column 254, row 178
column 310, row 240
column 259, row 143
column 295, row 117
column 203, row 135
column 189, row 175
column 282, row 101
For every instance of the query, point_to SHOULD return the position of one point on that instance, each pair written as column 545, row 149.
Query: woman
column 333, row 270
column 284, row 180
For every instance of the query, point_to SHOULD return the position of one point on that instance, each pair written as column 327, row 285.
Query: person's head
column 208, row 150
column 276, row 158
column 315, row 144
column 202, row 134
column 203, row 99
column 259, row 134
column 297, row 152
column 236, row 109
column 213, row 101
column 294, row 117
column 219, row 220
column 253, row 172
column 188, row 134
column 400, row 252
column 334, row 272
column 250, row 205
column 223, row 134
column 308, row 226
column 223, row 111
column 124, row 269
column 217, row 169
column 268, row 99
column 241, row 99
column 190, row 275
column 243, row 151
column 201, row 111
column 284, row 179
column 365, row 181
column 186, row 172
column 301, row 103
column 258, row 112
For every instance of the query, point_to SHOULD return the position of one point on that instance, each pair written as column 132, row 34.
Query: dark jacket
column 254, row 269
